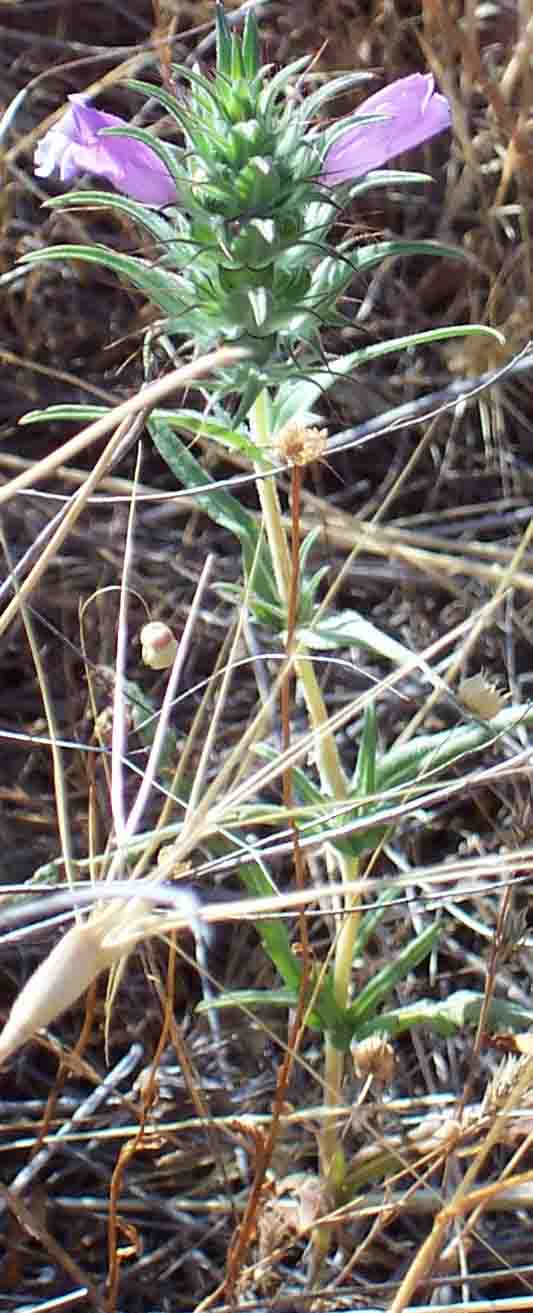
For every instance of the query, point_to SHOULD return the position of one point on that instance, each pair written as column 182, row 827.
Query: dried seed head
column 298, row 445
column 481, row 697
column 504, row 1081
column 374, row 1057
column 159, row 646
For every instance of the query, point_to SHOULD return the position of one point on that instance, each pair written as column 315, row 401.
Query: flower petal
column 414, row 112
column 75, row 145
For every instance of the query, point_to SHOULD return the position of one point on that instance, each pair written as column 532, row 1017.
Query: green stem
column 273, row 521
column 334, row 783
column 331, row 1152
column 332, row 776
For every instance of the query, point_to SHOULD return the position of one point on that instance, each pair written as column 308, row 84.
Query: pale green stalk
column 332, row 775
column 334, row 783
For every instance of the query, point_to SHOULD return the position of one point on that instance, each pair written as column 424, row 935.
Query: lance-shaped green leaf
column 448, row 1016
column 382, row 984
column 226, row 511
column 348, row 628
column 430, row 752
column 296, row 400
column 326, row 1013
column 160, row 285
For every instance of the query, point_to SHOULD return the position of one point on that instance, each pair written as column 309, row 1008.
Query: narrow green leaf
column 338, row 86
column 366, row 257
column 159, row 285
column 272, row 932
column 224, row 509
column 237, row 65
column 251, row 999
column 430, row 752
column 151, row 91
column 149, row 218
column 348, row 627
column 296, row 400
column 365, row 774
column 275, row 938
column 276, row 84
column 383, row 983
column 447, row 1017
column 379, row 349
column 231, row 437
column 250, row 46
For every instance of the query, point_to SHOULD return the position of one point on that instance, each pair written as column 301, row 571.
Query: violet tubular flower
column 75, row 145
column 412, row 110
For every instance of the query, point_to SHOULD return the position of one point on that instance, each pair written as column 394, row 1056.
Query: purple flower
column 75, row 145
column 415, row 112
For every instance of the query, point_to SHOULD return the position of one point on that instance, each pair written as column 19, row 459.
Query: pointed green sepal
column 223, row 42
column 250, row 46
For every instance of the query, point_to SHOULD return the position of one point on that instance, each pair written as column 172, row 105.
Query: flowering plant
column 249, row 199
column 242, row 214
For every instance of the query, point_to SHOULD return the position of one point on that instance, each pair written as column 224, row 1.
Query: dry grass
column 126, row 1178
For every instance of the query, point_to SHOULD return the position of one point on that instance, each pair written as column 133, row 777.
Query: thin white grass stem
column 239, row 756
column 476, row 877
column 118, row 739
column 72, row 514
column 143, row 401
column 159, row 736
column 171, row 802
column 60, row 794
column 201, row 771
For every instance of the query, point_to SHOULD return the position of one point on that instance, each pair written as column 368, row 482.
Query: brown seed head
column 374, row 1057
column 298, row 445
column 481, row 697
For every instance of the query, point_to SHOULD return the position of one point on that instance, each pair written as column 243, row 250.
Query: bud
column 159, row 646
